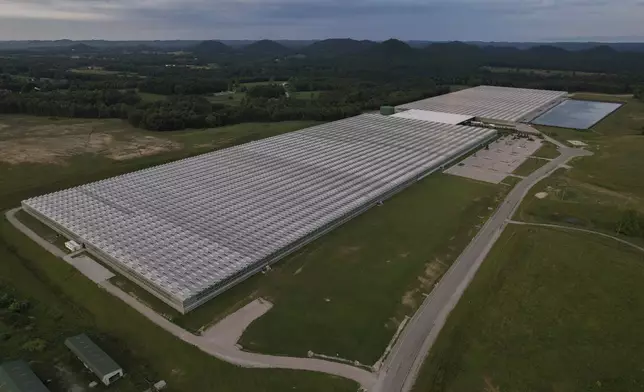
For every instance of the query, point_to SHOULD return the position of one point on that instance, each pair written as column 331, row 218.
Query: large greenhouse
column 188, row 230
column 492, row 103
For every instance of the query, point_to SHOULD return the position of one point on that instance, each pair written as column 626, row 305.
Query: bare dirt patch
column 433, row 272
column 56, row 150
column 347, row 250
column 409, row 299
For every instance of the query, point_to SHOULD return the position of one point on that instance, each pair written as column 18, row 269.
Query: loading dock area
column 498, row 161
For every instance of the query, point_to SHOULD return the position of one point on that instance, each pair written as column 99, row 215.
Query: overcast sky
column 485, row 20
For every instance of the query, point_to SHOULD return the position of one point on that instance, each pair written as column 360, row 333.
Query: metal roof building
column 17, row 376
column 494, row 103
column 188, row 230
column 94, row 358
column 439, row 117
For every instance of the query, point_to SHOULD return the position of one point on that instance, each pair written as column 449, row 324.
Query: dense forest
column 208, row 84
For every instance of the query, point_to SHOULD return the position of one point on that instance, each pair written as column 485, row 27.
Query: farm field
column 346, row 293
column 544, row 318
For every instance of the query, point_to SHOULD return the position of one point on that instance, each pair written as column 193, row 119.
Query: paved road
column 220, row 347
column 403, row 364
column 546, row 225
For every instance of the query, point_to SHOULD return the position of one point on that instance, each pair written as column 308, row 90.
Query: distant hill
column 337, row 47
column 390, row 49
column 266, row 48
column 212, row 47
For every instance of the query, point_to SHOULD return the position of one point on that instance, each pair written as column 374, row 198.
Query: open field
column 545, row 318
column 150, row 97
column 529, row 166
column 575, row 203
column 230, row 99
column 380, row 265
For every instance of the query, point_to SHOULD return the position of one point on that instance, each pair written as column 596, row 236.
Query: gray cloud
column 299, row 19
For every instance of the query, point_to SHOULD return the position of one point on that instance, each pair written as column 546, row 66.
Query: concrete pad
column 501, row 159
column 577, row 143
column 477, row 173
column 229, row 330
column 90, row 268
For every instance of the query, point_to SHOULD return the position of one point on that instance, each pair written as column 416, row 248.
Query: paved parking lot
column 502, row 158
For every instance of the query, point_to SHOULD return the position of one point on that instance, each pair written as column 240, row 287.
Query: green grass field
column 556, row 317
column 346, row 293
column 150, row 97
column 232, row 99
column 530, row 166
column 547, row 150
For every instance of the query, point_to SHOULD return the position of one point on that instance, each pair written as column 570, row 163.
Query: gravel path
column 546, row 225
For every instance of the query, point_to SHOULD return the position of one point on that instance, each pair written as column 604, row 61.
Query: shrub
column 35, row 345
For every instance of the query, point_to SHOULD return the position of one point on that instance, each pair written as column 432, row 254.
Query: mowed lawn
column 549, row 310
column 345, row 294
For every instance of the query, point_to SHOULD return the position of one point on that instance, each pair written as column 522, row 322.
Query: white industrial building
column 188, row 230
column 503, row 104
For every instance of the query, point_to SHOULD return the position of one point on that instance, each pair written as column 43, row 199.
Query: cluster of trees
column 345, row 77
column 266, row 91
column 70, row 103
column 179, row 112
column 183, row 86
column 631, row 224
column 639, row 93
column 12, row 312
